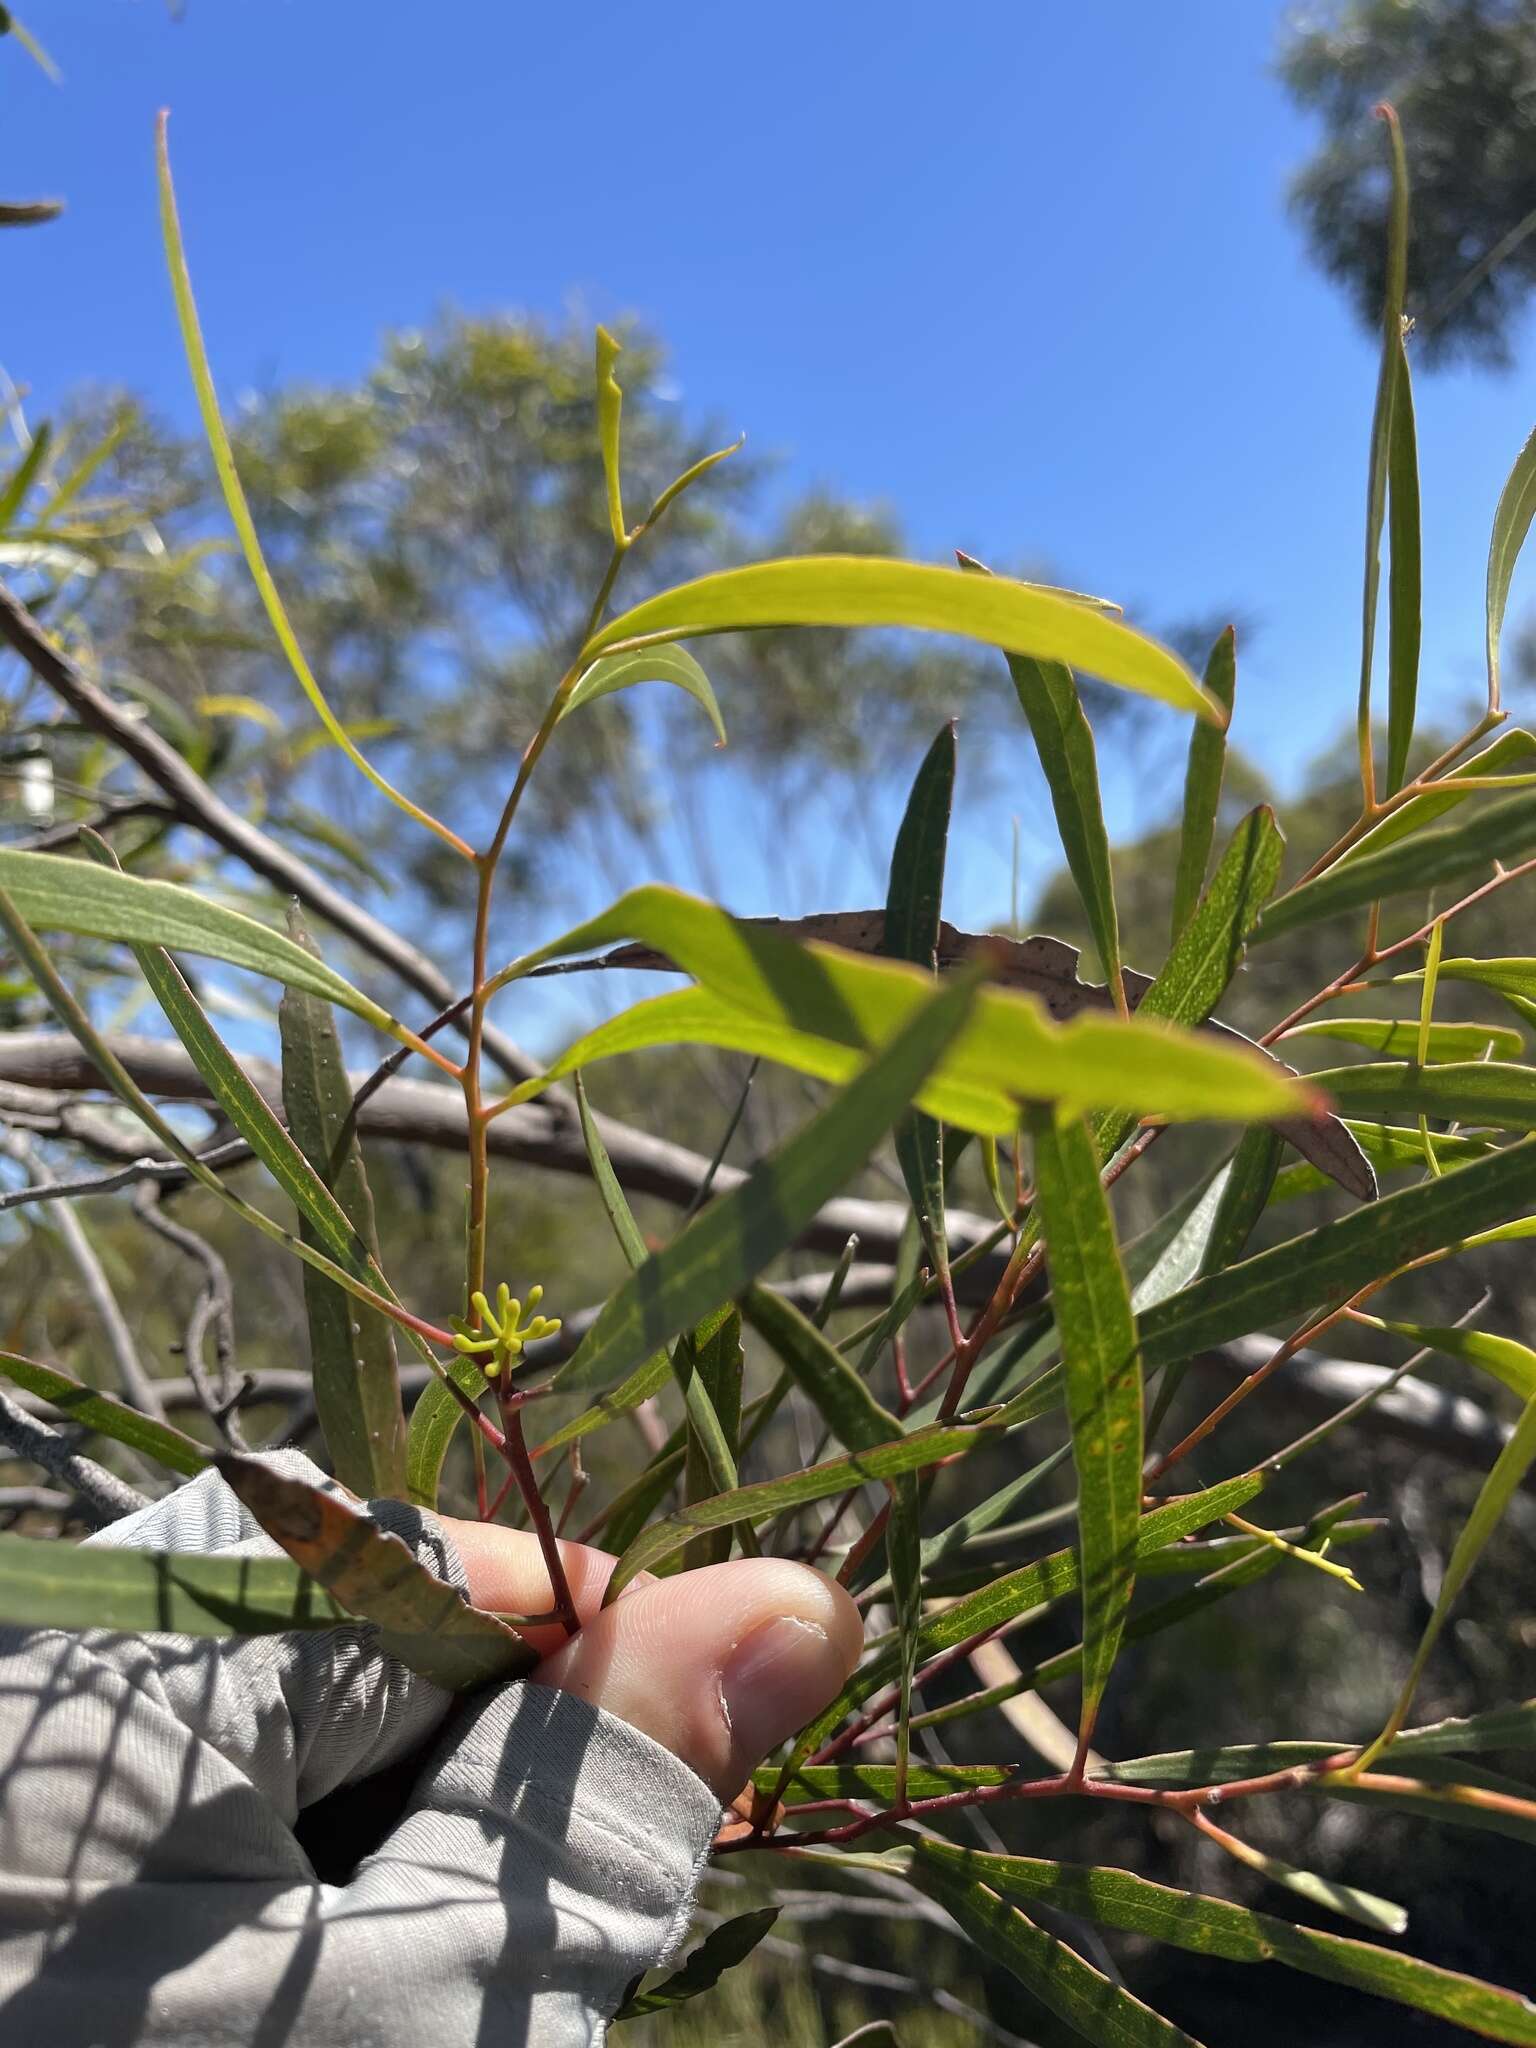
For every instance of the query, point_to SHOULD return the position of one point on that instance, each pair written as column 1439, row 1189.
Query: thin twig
column 103, row 1496
column 214, row 1309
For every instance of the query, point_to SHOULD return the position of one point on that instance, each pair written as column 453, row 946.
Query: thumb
column 718, row 1665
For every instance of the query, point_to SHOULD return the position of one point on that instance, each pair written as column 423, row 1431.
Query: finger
column 718, row 1665
column 506, row 1573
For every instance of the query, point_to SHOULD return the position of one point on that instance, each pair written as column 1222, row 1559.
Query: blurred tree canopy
column 1462, row 75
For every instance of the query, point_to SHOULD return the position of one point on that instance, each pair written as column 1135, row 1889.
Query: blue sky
column 1021, row 268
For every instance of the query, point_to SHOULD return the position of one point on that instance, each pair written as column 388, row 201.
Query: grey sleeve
column 153, row 1893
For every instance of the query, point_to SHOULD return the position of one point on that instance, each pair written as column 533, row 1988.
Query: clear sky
column 1021, row 267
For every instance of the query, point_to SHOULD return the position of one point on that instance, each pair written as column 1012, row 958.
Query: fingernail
column 774, row 1681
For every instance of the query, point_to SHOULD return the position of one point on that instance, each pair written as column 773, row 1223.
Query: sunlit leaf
column 1482, row 774
column 1490, row 1092
column 1404, row 595
column 614, row 672
column 1381, row 447
column 610, row 402
column 1396, row 1038
column 870, row 590
column 14, row 491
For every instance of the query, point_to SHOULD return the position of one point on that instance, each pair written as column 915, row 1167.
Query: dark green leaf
column 1214, row 1927
column 1404, row 606
column 1475, row 1092
column 1103, row 2013
column 67, row 1585
column 1381, row 424
column 104, row 1416
column 709, row 1362
column 722, row 1949
column 1447, row 792
column 1097, row 1332
column 913, row 906
column 1505, row 832
column 1202, row 785
column 352, row 1348
column 1329, row 1264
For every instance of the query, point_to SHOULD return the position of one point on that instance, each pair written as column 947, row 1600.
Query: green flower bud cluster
column 502, row 1335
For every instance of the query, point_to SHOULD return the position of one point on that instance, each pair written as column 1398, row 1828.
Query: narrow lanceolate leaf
column 613, row 672
column 709, row 1366
column 1244, row 1196
column 54, row 894
column 1048, row 697
column 1498, row 1489
column 825, row 993
column 913, row 907
column 1505, row 831
column 1404, row 592
column 1511, row 524
column 1491, row 1092
column 1214, row 1927
column 1103, row 1379
column 1514, row 978
column 728, row 1244
column 610, row 402
column 1381, row 430
column 1329, row 1264
column 140, row 1592
column 104, row 1416
column 352, row 1348
column 867, row 590
column 1483, row 774
column 1102, row 2012
column 1511, row 1363
column 767, row 1497
column 1391, row 1148
column 1209, row 950
column 21, row 479
column 1032, row 1585
column 1202, row 785
column 1396, row 1038
column 722, row 1949
column 421, row 1618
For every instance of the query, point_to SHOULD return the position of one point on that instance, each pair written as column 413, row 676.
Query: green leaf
column 1328, row 1264
column 1202, row 785
column 1244, row 1196
column 1214, row 1927
column 1103, row 1379
column 1391, row 1149
column 67, row 1585
column 105, row 1416
column 1102, row 2012
column 1505, row 832
column 913, row 908
column 1031, row 1585
column 1512, row 977
column 238, row 507
column 802, row 1002
column 1511, row 1363
column 1209, row 950
column 613, row 672
column 868, row 590
column 434, row 1420
column 1048, row 697
column 1490, row 1092
column 1404, row 598
column 1511, row 524
column 1396, row 1038
column 422, row 1620
column 709, row 1363
column 352, row 1348
column 1381, row 426
column 713, row 1258
column 21, row 479
column 610, row 402
column 722, row 1949
column 1470, row 779
column 1497, row 1490
column 58, row 895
